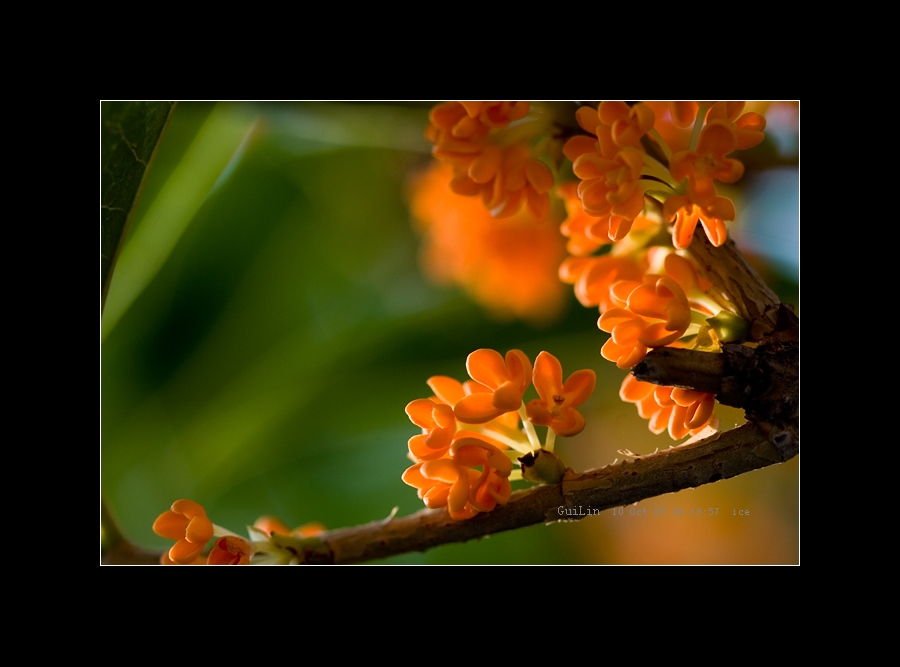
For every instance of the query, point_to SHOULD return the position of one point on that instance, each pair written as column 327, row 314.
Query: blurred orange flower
column 508, row 265
column 593, row 276
column 270, row 525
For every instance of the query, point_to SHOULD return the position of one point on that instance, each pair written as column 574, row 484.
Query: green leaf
column 129, row 135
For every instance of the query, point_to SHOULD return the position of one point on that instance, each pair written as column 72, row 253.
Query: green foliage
column 129, row 134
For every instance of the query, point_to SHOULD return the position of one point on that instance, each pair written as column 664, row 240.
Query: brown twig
column 765, row 380
column 718, row 457
column 735, row 284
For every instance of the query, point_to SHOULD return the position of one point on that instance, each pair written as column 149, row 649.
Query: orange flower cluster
column 652, row 312
column 504, row 176
column 681, row 411
column 610, row 164
column 472, row 425
column 616, row 171
column 647, row 296
column 673, row 153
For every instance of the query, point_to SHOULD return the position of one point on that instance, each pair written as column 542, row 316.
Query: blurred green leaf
column 204, row 166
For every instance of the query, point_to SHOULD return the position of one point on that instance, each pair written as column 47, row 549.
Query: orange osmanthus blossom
column 505, row 179
column 556, row 406
column 681, row 411
column 651, row 314
column 459, row 129
column 627, row 124
column 708, row 163
column 454, row 482
column 505, row 174
column 188, row 524
column 507, row 381
column 686, row 214
column 441, row 428
column 610, row 166
column 749, row 127
column 683, row 114
column 474, row 472
column 230, row 550
column 586, row 233
column 438, row 424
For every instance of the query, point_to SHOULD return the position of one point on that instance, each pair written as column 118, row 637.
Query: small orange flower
column 708, row 163
column 456, row 135
column 748, row 127
column 230, row 550
column 459, row 129
column 187, row 523
column 497, row 114
column 492, row 488
column 609, row 188
column 653, row 314
column 506, row 179
column 628, row 124
column 455, row 484
column 438, row 424
column 610, row 171
column 686, row 214
column 683, row 114
column 507, row 382
column 681, row 411
column 557, row 403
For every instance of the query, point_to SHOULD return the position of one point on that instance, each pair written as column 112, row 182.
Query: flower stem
column 519, row 444
column 529, row 429
column 551, row 439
